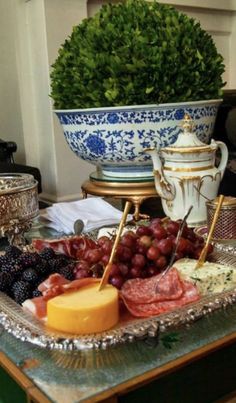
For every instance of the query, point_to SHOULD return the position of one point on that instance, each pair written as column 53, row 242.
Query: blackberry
column 68, row 272
column 57, row 263
column 43, row 267
column 64, row 257
column 3, row 259
column 36, row 293
column 13, row 252
column 28, row 259
column 30, row 275
column 21, row 290
column 5, row 281
column 47, row 253
column 12, row 268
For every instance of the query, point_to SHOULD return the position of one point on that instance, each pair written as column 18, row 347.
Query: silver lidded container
column 18, row 205
column 225, row 227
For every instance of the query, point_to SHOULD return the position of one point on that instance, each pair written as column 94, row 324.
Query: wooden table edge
column 31, row 390
column 111, row 395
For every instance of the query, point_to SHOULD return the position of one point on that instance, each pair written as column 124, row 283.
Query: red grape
column 93, row 255
column 141, row 254
column 210, row 249
column 124, row 269
column 182, row 245
column 128, row 241
column 159, row 232
column 145, row 240
column 105, row 259
column 161, row 262
column 153, row 253
column 103, row 239
column 117, row 281
column 125, row 254
column 138, row 260
column 130, row 233
column 83, row 273
column 106, row 246
column 135, row 272
column 140, row 249
column 172, row 227
column 165, row 246
column 155, row 221
column 143, row 230
column 197, row 253
column 81, row 265
column 114, row 270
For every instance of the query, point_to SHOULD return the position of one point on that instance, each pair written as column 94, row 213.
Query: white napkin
column 94, row 211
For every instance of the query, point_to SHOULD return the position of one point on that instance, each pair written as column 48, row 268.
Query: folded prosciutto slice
column 74, row 246
column 54, row 285
column 143, row 299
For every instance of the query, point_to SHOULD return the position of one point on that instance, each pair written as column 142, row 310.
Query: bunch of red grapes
column 142, row 253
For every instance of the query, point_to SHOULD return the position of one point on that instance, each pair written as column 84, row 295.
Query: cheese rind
column 84, row 311
column 210, row 278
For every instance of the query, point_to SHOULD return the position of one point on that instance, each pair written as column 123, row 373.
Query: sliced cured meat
column 56, row 284
column 74, row 246
column 61, row 245
column 190, row 294
column 170, row 287
column 77, row 284
column 37, row 306
column 53, row 286
column 53, row 280
column 80, row 246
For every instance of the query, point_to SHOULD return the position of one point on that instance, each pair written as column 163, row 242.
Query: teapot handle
column 224, row 157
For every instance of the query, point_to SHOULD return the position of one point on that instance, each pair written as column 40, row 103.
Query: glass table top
column 70, row 377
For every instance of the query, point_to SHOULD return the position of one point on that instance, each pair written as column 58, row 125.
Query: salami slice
column 170, row 287
column 190, row 294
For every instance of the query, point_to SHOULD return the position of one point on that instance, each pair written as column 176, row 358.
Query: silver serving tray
column 27, row 328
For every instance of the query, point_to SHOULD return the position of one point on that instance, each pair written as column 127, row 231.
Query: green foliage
column 136, row 53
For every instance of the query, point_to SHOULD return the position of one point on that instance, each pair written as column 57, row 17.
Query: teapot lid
column 188, row 141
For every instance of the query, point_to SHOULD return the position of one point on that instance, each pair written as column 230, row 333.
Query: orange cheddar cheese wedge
column 84, row 311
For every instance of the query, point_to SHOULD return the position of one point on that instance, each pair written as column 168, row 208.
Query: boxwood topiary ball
column 136, row 53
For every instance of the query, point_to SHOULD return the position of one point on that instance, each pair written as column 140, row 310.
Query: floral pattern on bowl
column 115, row 138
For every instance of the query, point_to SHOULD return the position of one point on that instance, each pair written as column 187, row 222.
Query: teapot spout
column 163, row 187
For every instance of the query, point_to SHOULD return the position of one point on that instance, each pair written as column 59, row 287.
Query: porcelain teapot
column 188, row 176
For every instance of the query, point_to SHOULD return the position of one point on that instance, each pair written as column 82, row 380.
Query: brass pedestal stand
column 134, row 190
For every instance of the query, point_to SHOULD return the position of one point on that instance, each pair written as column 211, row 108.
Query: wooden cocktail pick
column 203, row 254
column 107, row 270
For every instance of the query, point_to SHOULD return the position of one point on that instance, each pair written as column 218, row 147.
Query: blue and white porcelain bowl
column 115, row 138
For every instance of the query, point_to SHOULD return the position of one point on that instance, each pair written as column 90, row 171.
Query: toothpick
column 107, row 270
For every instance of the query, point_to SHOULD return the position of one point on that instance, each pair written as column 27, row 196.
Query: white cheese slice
column 210, row 278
